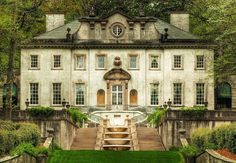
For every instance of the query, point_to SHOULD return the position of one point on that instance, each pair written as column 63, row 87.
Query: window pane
column 80, row 62
column 57, row 61
column 133, row 61
column 101, row 61
column 177, row 61
column 34, row 61
column 200, row 61
column 154, row 94
column 154, row 62
column 200, row 93
column 177, row 93
column 57, row 93
column 34, row 97
column 80, row 94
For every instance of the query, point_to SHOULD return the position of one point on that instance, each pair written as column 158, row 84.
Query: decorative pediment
column 117, row 74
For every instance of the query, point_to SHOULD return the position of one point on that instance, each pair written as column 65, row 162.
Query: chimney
column 54, row 20
column 180, row 19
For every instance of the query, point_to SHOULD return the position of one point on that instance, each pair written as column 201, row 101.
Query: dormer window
column 117, row 30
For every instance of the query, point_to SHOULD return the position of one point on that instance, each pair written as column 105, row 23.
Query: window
column 177, row 61
column 56, row 61
column 34, row 61
column 56, row 94
column 80, row 62
column 200, row 92
column 34, row 96
column 154, row 94
column 101, row 61
column 154, row 62
column 177, row 93
column 80, row 94
column 200, row 62
column 117, row 30
column 117, row 95
column 101, row 97
column 133, row 62
column 133, row 97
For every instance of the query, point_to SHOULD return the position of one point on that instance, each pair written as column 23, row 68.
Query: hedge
column 218, row 138
column 13, row 134
column 41, row 112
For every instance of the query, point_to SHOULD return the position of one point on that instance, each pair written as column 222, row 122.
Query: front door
column 117, row 97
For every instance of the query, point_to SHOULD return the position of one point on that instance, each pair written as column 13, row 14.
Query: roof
column 174, row 32
column 60, row 32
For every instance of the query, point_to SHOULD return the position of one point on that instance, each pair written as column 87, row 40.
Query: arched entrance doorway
column 224, row 96
column 117, row 89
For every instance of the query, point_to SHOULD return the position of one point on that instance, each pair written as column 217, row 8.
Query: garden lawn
column 60, row 156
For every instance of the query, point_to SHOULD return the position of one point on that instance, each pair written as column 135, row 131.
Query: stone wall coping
column 218, row 156
column 8, row 158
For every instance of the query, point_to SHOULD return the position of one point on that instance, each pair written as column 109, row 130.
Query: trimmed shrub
column 194, row 112
column 200, row 138
column 156, row 116
column 77, row 116
column 13, row 134
column 41, row 112
column 189, row 150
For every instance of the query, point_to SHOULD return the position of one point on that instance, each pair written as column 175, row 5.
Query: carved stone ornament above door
column 117, row 74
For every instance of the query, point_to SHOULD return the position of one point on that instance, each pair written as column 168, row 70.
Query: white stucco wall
column 93, row 78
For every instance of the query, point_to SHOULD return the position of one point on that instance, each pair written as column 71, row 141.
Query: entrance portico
column 117, row 89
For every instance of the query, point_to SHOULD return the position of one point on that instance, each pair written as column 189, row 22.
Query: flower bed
column 226, row 153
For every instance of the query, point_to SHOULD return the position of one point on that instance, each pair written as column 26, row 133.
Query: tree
column 17, row 18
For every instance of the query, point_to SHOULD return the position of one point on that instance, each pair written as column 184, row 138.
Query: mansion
column 117, row 62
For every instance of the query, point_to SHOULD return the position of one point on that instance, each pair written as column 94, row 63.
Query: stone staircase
column 149, row 139
column 85, row 139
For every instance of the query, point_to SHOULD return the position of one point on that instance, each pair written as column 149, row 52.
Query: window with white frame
column 101, row 59
column 56, row 94
column 133, row 59
column 80, row 94
column 200, row 62
column 177, row 94
column 34, row 61
column 154, row 94
column 200, row 93
column 57, row 61
column 154, row 64
column 34, row 93
column 80, row 61
column 177, row 62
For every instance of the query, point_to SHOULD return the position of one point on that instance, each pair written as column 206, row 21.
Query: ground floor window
column 154, row 94
column 80, row 94
column 200, row 93
column 177, row 94
column 34, row 93
column 56, row 93
column 117, row 95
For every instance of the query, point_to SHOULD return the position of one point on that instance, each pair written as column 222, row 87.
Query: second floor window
column 56, row 93
column 177, row 62
column 200, row 61
column 154, row 62
column 34, row 63
column 80, row 62
column 177, row 94
column 34, row 93
column 101, row 61
column 133, row 62
column 56, row 61
column 154, row 94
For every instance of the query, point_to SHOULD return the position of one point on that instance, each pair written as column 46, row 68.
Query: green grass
column 60, row 156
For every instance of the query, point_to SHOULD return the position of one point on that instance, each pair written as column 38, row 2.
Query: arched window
column 224, row 95
column 133, row 97
column 101, row 97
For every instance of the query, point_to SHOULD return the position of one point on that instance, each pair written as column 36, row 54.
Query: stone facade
column 140, row 37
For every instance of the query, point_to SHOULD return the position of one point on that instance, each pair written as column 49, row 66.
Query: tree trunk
column 10, row 78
